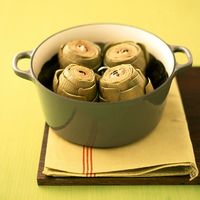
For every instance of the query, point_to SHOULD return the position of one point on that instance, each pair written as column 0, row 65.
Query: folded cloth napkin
column 166, row 151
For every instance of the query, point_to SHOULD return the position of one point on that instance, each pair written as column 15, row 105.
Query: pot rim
column 143, row 97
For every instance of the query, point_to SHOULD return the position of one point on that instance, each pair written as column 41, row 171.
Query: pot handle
column 26, row 74
column 180, row 67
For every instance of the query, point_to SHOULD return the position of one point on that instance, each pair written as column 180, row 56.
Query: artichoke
column 123, row 82
column 77, row 82
column 81, row 52
column 127, row 53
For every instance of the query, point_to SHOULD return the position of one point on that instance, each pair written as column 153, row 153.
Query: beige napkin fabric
column 166, row 151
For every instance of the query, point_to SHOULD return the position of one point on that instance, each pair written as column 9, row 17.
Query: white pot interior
column 103, row 33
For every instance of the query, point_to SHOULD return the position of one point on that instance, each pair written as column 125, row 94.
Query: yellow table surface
column 24, row 24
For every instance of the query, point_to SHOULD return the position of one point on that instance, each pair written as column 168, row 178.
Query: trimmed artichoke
column 123, row 82
column 127, row 53
column 81, row 52
column 77, row 82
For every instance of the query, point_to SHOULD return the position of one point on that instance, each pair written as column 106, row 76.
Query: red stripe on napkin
column 91, row 164
column 87, row 161
column 83, row 160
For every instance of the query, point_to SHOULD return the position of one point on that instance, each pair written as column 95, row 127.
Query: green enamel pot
column 100, row 124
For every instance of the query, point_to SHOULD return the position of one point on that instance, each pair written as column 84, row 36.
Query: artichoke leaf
column 132, row 93
column 56, row 79
column 77, row 97
column 110, row 94
column 89, row 93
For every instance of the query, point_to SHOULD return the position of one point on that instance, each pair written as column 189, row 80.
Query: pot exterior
column 103, row 124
